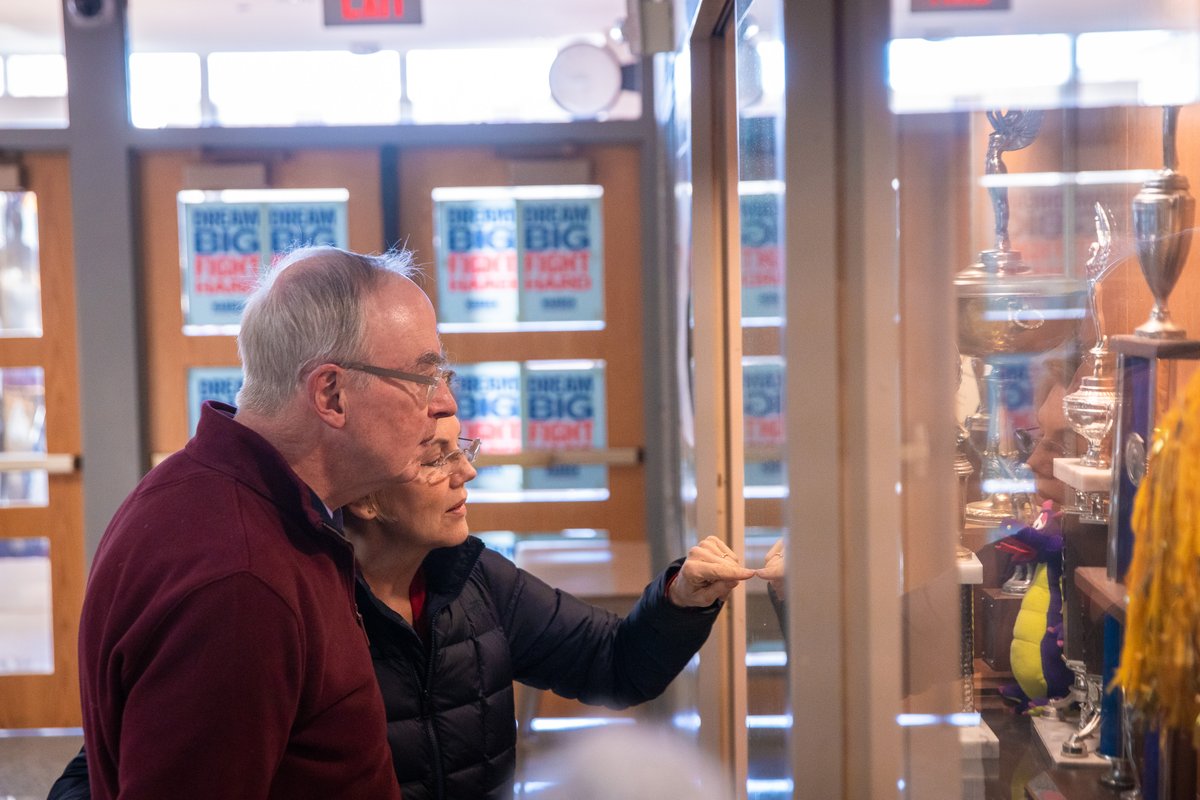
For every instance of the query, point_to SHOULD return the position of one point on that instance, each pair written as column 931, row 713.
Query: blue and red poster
column 292, row 225
column 228, row 238
column 489, row 407
column 762, row 254
column 762, row 421
column 211, row 383
column 521, row 255
column 535, row 406
column 476, row 244
column 561, row 258
column 565, row 410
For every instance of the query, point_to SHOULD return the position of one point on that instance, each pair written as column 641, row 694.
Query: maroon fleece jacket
column 220, row 650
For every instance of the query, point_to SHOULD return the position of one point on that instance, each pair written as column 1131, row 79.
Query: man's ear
column 325, row 387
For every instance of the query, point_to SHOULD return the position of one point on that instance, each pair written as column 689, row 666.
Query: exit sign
column 372, row 12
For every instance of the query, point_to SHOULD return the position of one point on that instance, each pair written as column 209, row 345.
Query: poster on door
column 476, row 245
column 762, row 404
column 292, row 225
column 530, row 255
column 489, row 407
column 228, row 238
column 561, row 258
column 515, row 407
column 565, row 410
column 211, row 383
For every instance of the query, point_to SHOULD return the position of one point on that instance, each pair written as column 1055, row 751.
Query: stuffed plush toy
column 1036, row 650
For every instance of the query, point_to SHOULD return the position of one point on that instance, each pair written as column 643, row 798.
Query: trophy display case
column 1063, row 208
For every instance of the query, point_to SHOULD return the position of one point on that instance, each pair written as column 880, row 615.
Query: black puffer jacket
column 451, row 725
column 449, row 707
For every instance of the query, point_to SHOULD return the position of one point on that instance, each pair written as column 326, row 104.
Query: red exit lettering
column 372, row 9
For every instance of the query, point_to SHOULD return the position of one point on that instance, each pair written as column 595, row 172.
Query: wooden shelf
column 1106, row 595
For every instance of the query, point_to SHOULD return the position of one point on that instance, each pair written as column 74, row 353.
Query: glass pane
column 1061, row 197
column 761, row 193
column 23, row 435
column 228, row 237
column 1044, row 55
column 323, row 88
column 20, row 266
column 685, row 694
column 519, row 409
column 470, row 62
column 26, row 628
column 762, row 414
column 525, row 258
column 33, row 90
column 495, row 84
column 164, row 90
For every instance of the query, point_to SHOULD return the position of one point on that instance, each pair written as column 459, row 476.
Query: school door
column 209, row 224
column 41, row 499
column 535, row 267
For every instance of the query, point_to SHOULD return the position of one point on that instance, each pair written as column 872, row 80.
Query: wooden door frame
column 49, row 701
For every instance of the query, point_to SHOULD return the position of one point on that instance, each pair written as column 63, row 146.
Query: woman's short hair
column 308, row 309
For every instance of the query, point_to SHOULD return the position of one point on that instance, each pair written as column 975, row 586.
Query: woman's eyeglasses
column 466, row 452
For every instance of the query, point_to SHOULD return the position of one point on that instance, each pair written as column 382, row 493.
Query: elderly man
column 221, row 654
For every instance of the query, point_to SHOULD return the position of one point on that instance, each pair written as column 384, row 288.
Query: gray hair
column 308, row 309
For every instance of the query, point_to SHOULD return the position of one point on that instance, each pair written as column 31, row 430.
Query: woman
column 451, row 624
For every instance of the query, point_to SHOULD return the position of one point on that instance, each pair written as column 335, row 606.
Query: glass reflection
column 20, row 272
column 26, row 627
column 23, row 434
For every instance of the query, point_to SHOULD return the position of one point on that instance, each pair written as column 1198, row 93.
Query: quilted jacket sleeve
column 73, row 783
column 577, row 650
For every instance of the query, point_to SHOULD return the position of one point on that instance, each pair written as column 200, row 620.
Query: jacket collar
column 225, row 445
column 446, row 572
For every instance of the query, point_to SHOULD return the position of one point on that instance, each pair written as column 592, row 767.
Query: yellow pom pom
column 1160, row 661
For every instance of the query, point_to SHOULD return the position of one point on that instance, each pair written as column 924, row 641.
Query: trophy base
column 1159, row 330
column 1159, row 326
column 1053, row 733
column 1074, row 473
column 970, row 568
column 990, row 511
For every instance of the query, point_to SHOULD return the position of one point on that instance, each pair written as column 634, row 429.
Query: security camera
column 90, row 13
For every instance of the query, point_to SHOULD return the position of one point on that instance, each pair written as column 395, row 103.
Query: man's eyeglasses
column 430, row 382
column 466, row 452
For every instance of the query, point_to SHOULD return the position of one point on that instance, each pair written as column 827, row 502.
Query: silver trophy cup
column 1163, row 212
